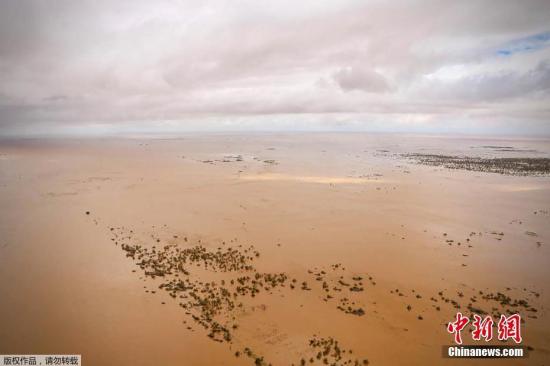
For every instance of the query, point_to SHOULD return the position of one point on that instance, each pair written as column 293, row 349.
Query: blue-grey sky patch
column 528, row 44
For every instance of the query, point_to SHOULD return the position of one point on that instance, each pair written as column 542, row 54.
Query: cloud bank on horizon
column 99, row 66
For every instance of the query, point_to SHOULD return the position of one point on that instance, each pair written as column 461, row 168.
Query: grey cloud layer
column 77, row 63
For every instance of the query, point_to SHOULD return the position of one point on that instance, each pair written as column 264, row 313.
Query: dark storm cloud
column 354, row 78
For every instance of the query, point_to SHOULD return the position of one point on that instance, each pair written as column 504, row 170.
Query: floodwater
column 348, row 205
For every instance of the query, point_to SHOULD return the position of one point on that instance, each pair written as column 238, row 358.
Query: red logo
column 457, row 326
column 508, row 328
column 482, row 328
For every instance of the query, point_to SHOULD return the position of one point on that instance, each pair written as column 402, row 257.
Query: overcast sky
column 166, row 66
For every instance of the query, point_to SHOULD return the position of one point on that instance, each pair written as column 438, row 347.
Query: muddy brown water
column 306, row 202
